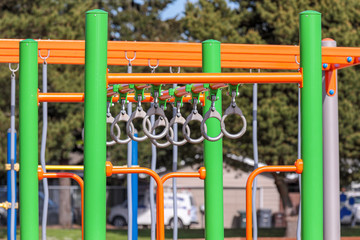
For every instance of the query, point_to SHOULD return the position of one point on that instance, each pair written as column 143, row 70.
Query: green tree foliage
column 276, row 22
column 256, row 22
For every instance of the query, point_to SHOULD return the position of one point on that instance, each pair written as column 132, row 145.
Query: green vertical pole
column 311, row 126
column 213, row 153
column 95, row 125
column 28, row 103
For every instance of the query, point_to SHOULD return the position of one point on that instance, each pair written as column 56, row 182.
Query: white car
column 186, row 211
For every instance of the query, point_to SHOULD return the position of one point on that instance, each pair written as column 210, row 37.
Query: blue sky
column 176, row 8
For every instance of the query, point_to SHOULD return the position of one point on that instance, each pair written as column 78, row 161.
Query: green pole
column 28, row 104
column 213, row 154
column 95, row 125
column 311, row 126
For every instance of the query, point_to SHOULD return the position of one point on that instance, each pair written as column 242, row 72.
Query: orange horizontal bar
column 110, row 169
column 297, row 167
column 200, row 174
column 75, row 177
column 79, row 97
column 177, row 54
column 187, row 78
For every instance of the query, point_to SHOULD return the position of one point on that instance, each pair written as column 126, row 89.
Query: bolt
column 325, row 65
column 349, row 59
column 331, row 92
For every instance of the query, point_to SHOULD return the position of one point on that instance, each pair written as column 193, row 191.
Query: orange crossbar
column 297, row 167
column 177, row 54
column 200, row 174
column 187, row 78
column 75, row 177
column 110, row 169
column 79, row 97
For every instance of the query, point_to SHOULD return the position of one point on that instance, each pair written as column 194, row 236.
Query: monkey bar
column 79, row 97
column 185, row 78
column 183, row 54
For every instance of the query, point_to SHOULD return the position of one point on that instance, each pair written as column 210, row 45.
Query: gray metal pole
column 12, row 153
column 174, row 168
column 129, row 186
column 43, row 151
column 152, row 183
column 331, row 159
column 128, row 177
column 256, row 160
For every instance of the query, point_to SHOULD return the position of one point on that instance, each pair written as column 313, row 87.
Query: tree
column 276, row 22
column 129, row 20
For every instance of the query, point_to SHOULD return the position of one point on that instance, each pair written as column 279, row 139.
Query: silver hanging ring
column 233, row 109
column 160, row 112
column 130, row 129
column 110, row 119
column 161, row 123
column 194, row 116
column 177, row 119
column 121, row 117
column 212, row 113
column 180, row 120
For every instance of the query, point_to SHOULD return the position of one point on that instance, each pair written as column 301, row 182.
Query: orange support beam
column 187, row 78
column 110, row 169
column 200, row 174
column 297, row 167
column 42, row 175
column 79, row 97
column 178, row 54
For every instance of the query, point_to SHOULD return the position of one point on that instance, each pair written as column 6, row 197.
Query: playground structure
column 101, row 87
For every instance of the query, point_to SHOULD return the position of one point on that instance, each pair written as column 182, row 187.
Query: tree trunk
column 284, row 193
column 65, row 216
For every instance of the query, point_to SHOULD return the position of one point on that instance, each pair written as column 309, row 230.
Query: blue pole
column 134, row 190
column 9, row 185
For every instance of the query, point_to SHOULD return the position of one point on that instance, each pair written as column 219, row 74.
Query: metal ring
column 237, row 111
column 178, row 119
column 110, row 119
column 155, row 111
column 121, row 117
column 130, row 59
column 130, row 129
column 212, row 113
column 44, row 58
column 194, row 116
column 178, row 71
column 158, row 123
column 13, row 70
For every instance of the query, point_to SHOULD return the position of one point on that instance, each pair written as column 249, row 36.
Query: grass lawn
column 144, row 234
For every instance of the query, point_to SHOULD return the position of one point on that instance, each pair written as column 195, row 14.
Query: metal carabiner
column 155, row 110
column 177, row 119
column 194, row 116
column 121, row 117
column 130, row 129
column 212, row 113
column 233, row 109
column 160, row 122
column 110, row 119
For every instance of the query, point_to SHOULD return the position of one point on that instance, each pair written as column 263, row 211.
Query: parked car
column 187, row 211
column 53, row 210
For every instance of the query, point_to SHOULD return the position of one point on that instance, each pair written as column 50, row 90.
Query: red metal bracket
column 330, row 82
